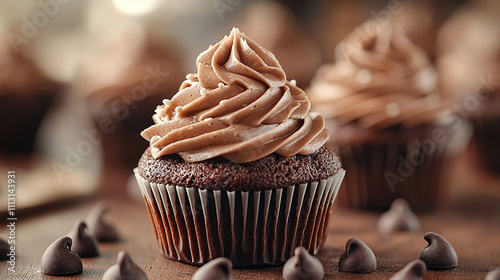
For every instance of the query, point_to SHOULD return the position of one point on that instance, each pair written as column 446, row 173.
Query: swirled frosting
column 238, row 106
column 380, row 79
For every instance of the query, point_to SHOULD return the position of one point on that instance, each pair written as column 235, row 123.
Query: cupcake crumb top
column 270, row 172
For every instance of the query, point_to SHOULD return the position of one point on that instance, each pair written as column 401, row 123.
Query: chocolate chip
column 358, row 257
column 58, row 259
column 398, row 218
column 124, row 269
column 493, row 275
column 303, row 266
column 98, row 227
column 85, row 245
column 218, row 269
column 4, row 250
column 439, row 254
column 415, row 270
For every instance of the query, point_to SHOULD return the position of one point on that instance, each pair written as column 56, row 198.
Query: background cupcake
column 382, row 110
column 121, row 82
column 23, row 88
column 236, row 165
column 469, row 65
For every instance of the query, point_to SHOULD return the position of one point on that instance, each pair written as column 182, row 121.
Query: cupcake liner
column 485, row 143
column 252, row 228
column 382, row 172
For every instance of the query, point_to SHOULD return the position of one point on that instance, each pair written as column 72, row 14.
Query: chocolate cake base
column 270, row 172
column 253, row 213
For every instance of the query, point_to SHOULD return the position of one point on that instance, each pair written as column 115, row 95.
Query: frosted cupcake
column 470, row 69
column 23, row 88
column 121, row 82
column 237, row 166
column 383, row 111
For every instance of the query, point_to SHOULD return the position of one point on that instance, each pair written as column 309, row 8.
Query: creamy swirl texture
column 380, row 79
column 239, row 106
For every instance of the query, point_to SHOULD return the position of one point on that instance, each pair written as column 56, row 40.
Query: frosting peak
column 238, row 60
column 380, row 79
column 239, row 106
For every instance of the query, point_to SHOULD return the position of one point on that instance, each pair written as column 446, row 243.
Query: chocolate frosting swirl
column 239, row 106
column 380, row 80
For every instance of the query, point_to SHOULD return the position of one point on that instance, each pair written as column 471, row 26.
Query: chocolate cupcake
column 121, row 82
column 383, row 113
column 23, row 88
column 470, row 66
column 237, row 166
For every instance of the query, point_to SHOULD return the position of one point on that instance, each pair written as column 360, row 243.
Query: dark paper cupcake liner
column 252, row 228
column 381, row 172
column 485, row 141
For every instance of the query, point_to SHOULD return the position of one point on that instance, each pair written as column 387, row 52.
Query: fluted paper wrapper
column 485, row 144
column 380, row 173
column 252, row 228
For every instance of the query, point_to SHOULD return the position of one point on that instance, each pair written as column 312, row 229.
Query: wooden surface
column 470, row 221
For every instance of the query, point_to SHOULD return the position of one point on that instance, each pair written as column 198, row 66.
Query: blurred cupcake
column 121, row 83
column 383, row 113
column 237, row 166
column 26, row 93
column 470, row 68
column 278, row 31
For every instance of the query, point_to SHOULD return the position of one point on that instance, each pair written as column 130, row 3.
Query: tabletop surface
column 470, row 221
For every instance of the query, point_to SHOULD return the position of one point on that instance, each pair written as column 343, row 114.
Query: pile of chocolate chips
column 359, row 258
column 63, row 256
